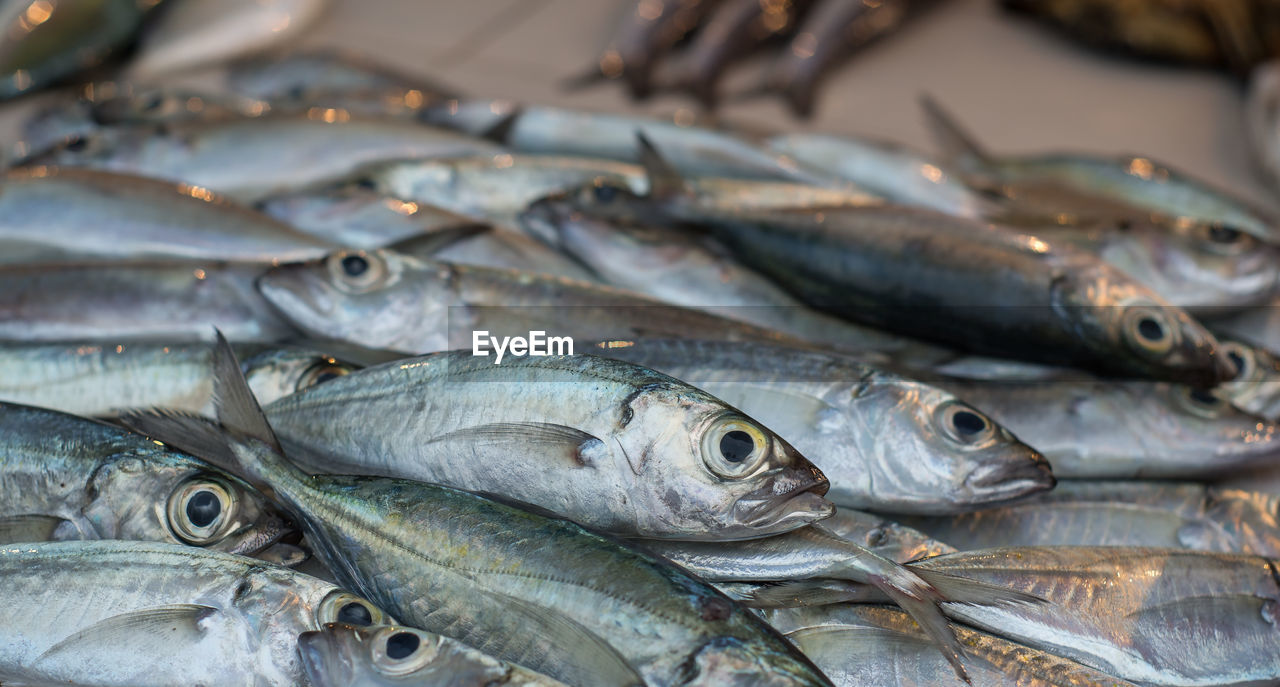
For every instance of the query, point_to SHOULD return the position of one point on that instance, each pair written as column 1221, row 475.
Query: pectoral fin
column 147, row 632
column 28, row 528
column 571, row 444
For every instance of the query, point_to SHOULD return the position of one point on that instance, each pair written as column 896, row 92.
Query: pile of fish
column 807, row 410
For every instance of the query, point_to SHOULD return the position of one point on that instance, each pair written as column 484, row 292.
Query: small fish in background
column 317, row 74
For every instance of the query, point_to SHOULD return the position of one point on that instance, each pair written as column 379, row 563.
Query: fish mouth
column 995, row 482
column 785, row 503
column 542, row 220
column 262, row 536
column 323, row 658
column 294, row 296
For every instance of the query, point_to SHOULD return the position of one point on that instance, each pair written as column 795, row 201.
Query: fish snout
column 1004, row 480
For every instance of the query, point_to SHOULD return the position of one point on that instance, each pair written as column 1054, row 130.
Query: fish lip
column 271, row 533
column 322, row 658
column 766, row 511
column 1005, row 481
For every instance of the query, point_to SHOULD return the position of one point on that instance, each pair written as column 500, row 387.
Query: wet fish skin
column 886, row 442
column 66, row 478
column 883, row 537
column 1124, row 429
column 38, row 51
column 1114, row 609
column 148, row 614
column 94, row 378
column 345, row 656
column 493, row 247
column 250, row 158
column 874, row 645
column 171, row 301
column 897, row 268
column 358, row 217
column 44, row 212
column 197, row 33
column 1121, row 513
column 492, row 575
column 649, row 467
column 385, row 300
column 313, row 74
column 1256, row 387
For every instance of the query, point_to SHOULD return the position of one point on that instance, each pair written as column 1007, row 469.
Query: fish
column 896, row 172
column 94, row 378
column 197, row 33
column 884, row 537
column 356, row 216
column 1124, row 429
column 492, row 575
column 1140, row 184
column 1262, row 120
column 493, row 247
column 1204, row 269
column 312, row 74
column 888, row 443
column 173, row 302
column 732, row 32
column 832, row 31
column 48, row 214
column 47, row 42
column 1200, row 32
column 250, row 158
column 873, row 645
column 1111, row 608
column 694, row 150
column 343, row 655
column 1121, row 513
column 668, row 461
column 1256, row 386
column 815, row 552
column 693, row 271
column 148, row 614
column 647, row 33
column 388, row 301
column 946, row 279
column 66, row 478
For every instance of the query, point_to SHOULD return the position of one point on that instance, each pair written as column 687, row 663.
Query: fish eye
column 366, row 183
column 734, row 447
column 1241, row 358
column 76, row 143
column 1224, row 239
column 324, row 371
column 349, row 609
column 606, row 193
column 358, row 272
column 200, row 509
column 1149, row 331
column 964, row 424
column 152, row 102
column 1203, row 402
column 400, row 650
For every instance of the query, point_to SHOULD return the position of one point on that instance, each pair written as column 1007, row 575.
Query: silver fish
column 45, row 42
column 249, row 158
column 493, row 575
column 883, row 537
column 347, row 656
column 695, row 151
column 1153, row 616
column 494, row 247
column 671, row 462
column 1256, row 386
column 67, row 478
column 385, row 300
column 895, row 172
column 1137, row 182
column 358, row 217
column 887, row 443
column 147, row 614
column 1123, row 429
column 873, row 645
column 318, row 73
column 196, row 33
column 103, row 379
column 172, row 302
column 1152, row 514
column 45, row 211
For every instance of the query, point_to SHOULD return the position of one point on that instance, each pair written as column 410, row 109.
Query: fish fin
column 1232, row 605
column 814, row 592
column 501, row 130
column 187, row 432
column 141, row 631
column 28, row 528
column 238, row 410
column 561, row 630
column 664, row 180
column 929, row 617
column 962, row 590
column 573, row 444
column 956, row 143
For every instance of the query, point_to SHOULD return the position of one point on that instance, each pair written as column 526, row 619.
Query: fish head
column 611, row 199
column 97, row 148
column 930, row 452
column 342, row 655
column 166, row 496
column 730, row 662
column 276, row 373
column 377, row 299
column 1256, row 386
column 1136, row 330
column 1250, row 519
column 1200, row 422
column 1230, row 263
column 596, row 240
column 705, row 470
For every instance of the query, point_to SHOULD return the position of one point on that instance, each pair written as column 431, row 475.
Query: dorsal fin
column 500, row 131
column 664, row 180
column 958, row 146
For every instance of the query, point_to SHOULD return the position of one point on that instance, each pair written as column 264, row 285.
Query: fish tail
column 961, row 590
column 957, row 144
column 929, row 617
